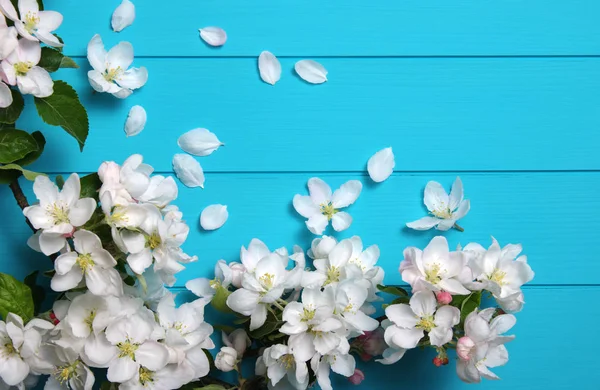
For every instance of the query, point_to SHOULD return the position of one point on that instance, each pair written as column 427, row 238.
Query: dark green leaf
column 219, row 301
column 16, row 144
column 29, row 175
column 4, row 126
column 394, row 290
column 90, row 184
column 33, row 156
column 210, row 387
column 271, row 325
column 60, row 181
column 15, row 297
column 240, row 321
column 38, row 293
column 108, row 386
column 11, row 113
column 52, row 59
column 68, row 62
column 211, row 360
column 469, row 304
column 64, row 109
column 224, row 328
column 8, row 176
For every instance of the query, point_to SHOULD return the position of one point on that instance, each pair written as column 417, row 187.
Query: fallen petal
column 136, row 121
column 311, row 71
column 214, row 36
column 188, row 170
column 199, row 142
column 123, row 16
column 213, row 217
column 381, row 165
column 269, row 67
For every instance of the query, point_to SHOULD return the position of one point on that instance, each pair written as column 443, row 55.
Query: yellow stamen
column 90, row 320
column 333, row 275
column 308, row 315
column 443, row 212
column 22, row 68
column 58, row 212
column 287, row 361
column 146, row 376
column 31, row 22
column 328, row 210
column 85, row 262
column 153, row 241
column 127, row 349
column 426, row 323
column 498, row 277
column 432, row 273
column 112, row 74
column 267, row 280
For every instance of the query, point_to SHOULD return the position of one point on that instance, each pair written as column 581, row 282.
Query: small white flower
column 206, row 288
column 111, row 72
column 58, row 212
column 340, row 363
column 70, row 373
column 281, row 361
column 445, row 210
column 435, row 268
column 8, row 37
column 227, row 359
column 91, row 261
column 411, row 321
column 20, row 69
column 33, row 24
column 321, row 206
column 350, row 296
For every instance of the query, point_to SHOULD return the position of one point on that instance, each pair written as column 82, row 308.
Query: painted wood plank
column 438, row 114
column 547, row 212
column 317, row 28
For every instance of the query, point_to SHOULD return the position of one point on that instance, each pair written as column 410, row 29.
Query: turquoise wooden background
column 504, row 93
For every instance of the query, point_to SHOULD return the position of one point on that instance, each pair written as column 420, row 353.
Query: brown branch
column 17, row 191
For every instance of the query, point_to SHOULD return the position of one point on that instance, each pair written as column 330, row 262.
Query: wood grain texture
column 437, row 114
column 317, row 28
column 547, row 213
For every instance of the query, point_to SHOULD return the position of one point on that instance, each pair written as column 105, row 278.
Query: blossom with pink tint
column 373, row 342
column 443, row 297
column 463, row 347
column 357, row 377
column 237, row 273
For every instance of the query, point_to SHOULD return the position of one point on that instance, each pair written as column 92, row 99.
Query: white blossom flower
column 20, row 349
column 58, row 212
column 321, row 206
column 445, row 210
column 91, row 261
column 435, row 268
column 362, row 266
column 350, row 297
column 497, row 271
column 340, row 363
column 280, row 361
column 207, row 288
column 483, row 345
column 8, row 36
column 169, row 377
column 238, row 340
column 410, row 322
column 331, row 269
column 33, row 24
column 257, row 250
column 111, row 72
column 227, row 359
column 20, row 69
column 70, row 372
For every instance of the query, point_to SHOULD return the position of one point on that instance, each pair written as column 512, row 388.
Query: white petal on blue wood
column 123, row 16
column 311, row 71
column 136, row 121
column 199, row 142
column 269, row 67
column 188, row 170
column 214, row 36
column 213, row 217
column 381, row 165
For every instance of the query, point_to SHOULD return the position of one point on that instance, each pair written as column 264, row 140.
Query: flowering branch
column 17, row 191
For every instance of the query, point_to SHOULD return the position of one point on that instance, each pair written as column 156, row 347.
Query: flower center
column 426, row 323
column 127, row 349
column 432, row 273
column 9, row 349
column 498, row 277
column 117, row 216
column 112, row 74
column 179, row 327
column 308, row 314
column 22, row 68
column 85, row 262
column 267, row 280
column 31, row 22
column 215, row 283
column 287, row 361
column 146, row 376
column 443, row 212
column 153, row 241
column 356, row 261
column 58, row 212
column 348, row 308
column 328, row 210
column 333, row 275
column 89, row 320
column 65, row 373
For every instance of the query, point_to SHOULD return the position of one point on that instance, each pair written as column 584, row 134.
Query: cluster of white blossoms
column 439, row 277
column 313, row 311
column 105, row 319
column 21, row 51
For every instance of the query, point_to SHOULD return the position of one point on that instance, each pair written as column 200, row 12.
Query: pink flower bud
column 444, row 297
column 365, row 357
column 357, row 377
column 463, row 348
column 373, row 342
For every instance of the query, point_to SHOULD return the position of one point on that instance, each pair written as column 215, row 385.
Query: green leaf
column 224, row 328
column 52, row 59
column 60, row 181
column 90, row 184
column 108, row 386
column 4, row 126
column 469, row 304
column 64, row 109
column 37, row 292
column 271, row 324
column 33, row 156
column 16, row 144
column 210, row 387
column 219, row 301
column 11, row 113
column 209, row 356
column 15, row 297
column 394, row 290
column 29, row 175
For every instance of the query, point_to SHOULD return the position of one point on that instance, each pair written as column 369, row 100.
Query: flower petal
column 213, row 217
column 424, row 223
column 120, row 55
column 320, row 192
column 188, row 170
column 123, row 16
column 407, row 338
column 435, row 196
column 48, row 38
column 305, row 206
column 341, row 221
column 49, row 20
column 401, row 315
column 269, row 67
column 199, row 142
column 317, row 224
column 346, row 194
column 136, row 120
column 214, row 36
column 96, row 54
column 5, row 96
column 381, row 165
column 311, row 71
column 423, row 303
column 134, row 78
column 8, row 10
column 456, row 195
